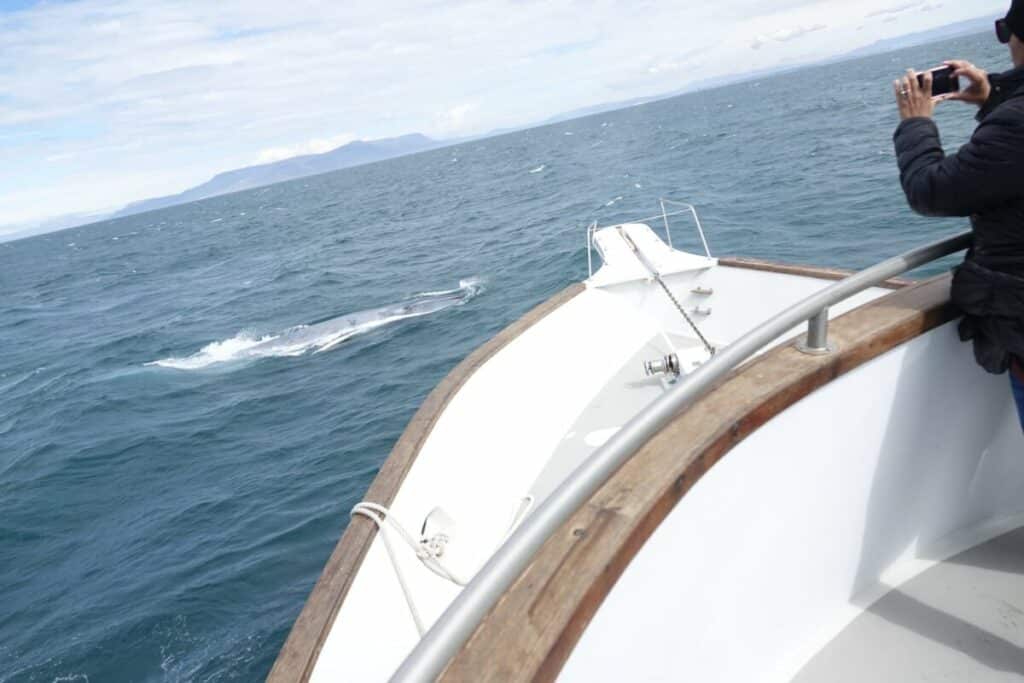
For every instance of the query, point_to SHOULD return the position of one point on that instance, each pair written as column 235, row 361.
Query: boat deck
column 515, row 420
column 961, row 620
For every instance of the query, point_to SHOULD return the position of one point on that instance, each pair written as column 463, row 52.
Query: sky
column 104, row 102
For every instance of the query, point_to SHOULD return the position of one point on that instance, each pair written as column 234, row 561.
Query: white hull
column 532, row 413
column 848, row 474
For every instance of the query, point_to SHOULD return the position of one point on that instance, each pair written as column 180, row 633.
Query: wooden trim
column 803, row 271
column 531, row 632
column 298, row 656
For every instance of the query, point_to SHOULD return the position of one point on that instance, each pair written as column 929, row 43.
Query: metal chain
column 657, row 278
column 675, row 302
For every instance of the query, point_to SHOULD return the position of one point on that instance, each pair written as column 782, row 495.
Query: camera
column 943, row 80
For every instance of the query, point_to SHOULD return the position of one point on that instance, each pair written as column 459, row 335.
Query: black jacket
column 983, row 180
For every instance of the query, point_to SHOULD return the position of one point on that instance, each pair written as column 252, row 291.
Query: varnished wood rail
column 815, row 272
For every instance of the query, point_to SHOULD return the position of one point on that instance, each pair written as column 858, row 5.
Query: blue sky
column 103, row 102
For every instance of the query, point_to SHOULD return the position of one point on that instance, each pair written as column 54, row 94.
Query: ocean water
column 192, row 399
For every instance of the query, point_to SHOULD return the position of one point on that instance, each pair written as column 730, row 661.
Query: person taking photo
column 983, row 180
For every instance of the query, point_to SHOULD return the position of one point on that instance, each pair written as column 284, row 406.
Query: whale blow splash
column 324, row 335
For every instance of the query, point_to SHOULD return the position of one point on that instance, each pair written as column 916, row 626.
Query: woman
column 984, row 180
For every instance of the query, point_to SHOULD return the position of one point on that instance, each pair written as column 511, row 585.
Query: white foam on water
column 538, row 169
column 215, row 352
column 324, row 335
column 470, row 287
column 473, row 285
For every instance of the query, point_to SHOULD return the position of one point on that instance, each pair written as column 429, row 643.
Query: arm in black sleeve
column 996, row 96
column 987, row 171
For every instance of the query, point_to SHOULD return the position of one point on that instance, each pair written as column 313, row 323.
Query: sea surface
column 191, row 400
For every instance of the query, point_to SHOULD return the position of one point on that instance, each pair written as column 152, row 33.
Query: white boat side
column 838, row 502
column 515, row 425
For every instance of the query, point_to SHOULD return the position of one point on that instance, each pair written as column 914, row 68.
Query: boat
column 661, row 474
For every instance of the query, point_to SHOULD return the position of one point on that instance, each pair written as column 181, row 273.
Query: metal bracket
column 816, row 342
column 667, row 365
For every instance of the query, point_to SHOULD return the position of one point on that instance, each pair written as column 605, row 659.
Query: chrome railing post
column 816, row 341
column 590, row 248
column 700, row 230
column 664, row 217
column 696, row 219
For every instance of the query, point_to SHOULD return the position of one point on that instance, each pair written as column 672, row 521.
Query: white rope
column 427, row 550
column 370, row 511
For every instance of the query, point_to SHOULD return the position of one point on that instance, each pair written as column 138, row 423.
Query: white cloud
column 785, row 35
column 665, row 66
column 314, row 146
column 905, row 8
column 895, row 9
column 175, row 91
column 457, row 119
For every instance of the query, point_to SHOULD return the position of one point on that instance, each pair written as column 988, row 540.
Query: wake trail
column 324, row 335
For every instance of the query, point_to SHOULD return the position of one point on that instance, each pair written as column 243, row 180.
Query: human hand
column 978, row 90
column 913, row 99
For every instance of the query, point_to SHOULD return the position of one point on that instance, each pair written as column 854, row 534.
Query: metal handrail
column 663, row 216
column 696, row 219
column 444, row 639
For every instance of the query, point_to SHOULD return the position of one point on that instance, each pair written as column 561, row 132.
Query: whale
column 322, row 335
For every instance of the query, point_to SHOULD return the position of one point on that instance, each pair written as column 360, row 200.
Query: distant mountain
column 20, row 230
column 565, row 116
column 960, row 28
column 352, row 154
column 601, row 108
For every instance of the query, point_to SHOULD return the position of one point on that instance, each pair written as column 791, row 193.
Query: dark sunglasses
column 1003, row 31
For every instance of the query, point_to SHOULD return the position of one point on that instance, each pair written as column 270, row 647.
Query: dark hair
column 1013, row 23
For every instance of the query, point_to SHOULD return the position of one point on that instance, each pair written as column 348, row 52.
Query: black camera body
column 943, row 80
